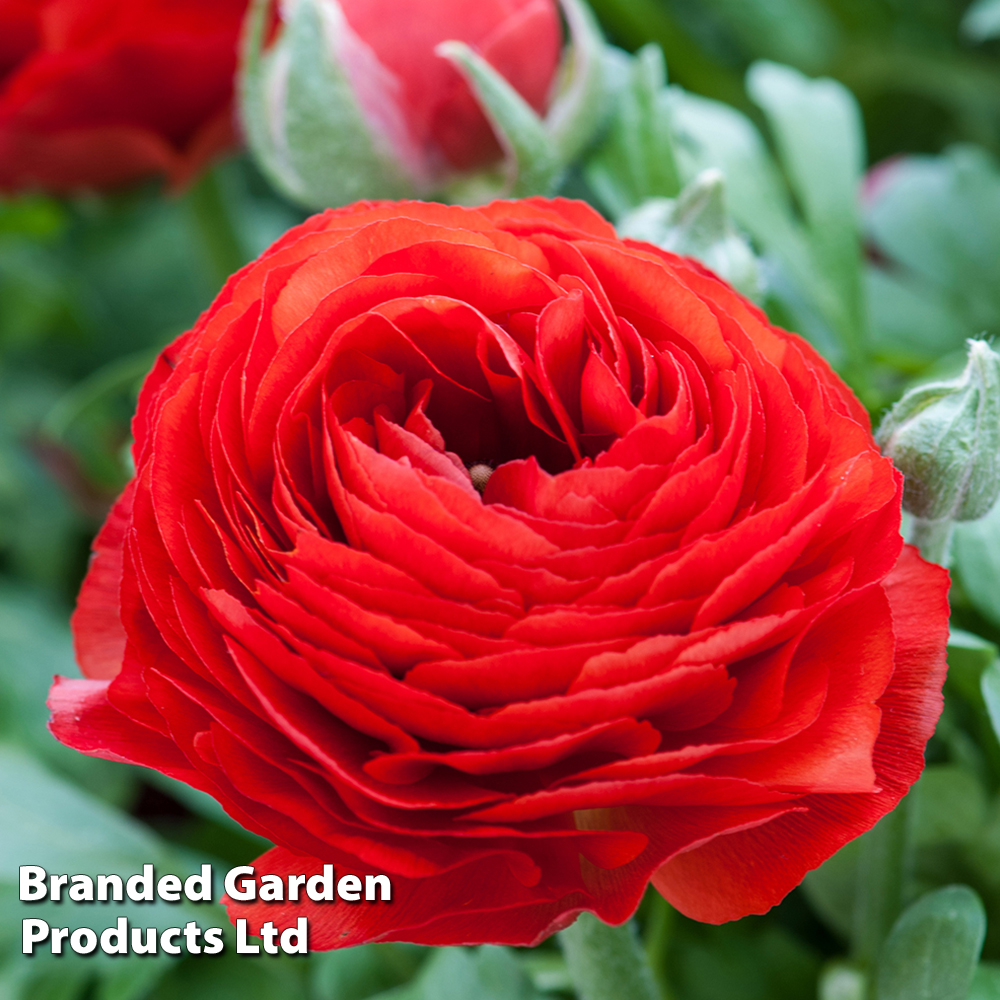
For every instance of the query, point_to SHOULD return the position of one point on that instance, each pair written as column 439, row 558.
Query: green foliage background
column 889, row 289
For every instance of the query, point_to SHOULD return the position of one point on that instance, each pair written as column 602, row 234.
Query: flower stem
column 932, row 538
column 606, row 963
column 656, row 938
column 214, row 224
column 883, row 868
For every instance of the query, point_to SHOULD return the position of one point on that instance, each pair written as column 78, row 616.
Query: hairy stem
column 607, row 963
column 221, row 242
column 932, row 538
column 883, row 869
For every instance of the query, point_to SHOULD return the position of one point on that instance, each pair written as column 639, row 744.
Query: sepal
column 539, row 150
column 302, row 117
column 696, row 224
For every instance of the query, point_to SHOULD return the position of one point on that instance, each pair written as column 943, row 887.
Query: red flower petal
column 673, row 637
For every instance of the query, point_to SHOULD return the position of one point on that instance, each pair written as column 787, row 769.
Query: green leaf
column 51, row 823
column 933, row 949
column 220, row 236
column 548, row 971
column 33, row 291
column 138, row 273
column 980, row 861
column 818, row 133
column 948, row 804
column 357, row 973
column 912, row 322
column 990, row 687
column 831, row 889
column 25, row 980
column 636, row 22
column 251, row 206
column 37, row 216
column 976, row 553
column 982, row 20
column 635, row 160
column 986, row 982
column 486, row 973
column 801, row 32
column 32, row 277
column 819, row 137
column 34, row 646
column 246, row 977
column 749, row 959
column 130, row 981
column 711, row 134
column 37, row 524
column 93, row 417
column 968, row 656
column 884, row 863
column 937, row 218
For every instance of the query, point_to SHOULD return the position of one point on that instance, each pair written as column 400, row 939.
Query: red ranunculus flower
column 96, row 93
column 677, row 637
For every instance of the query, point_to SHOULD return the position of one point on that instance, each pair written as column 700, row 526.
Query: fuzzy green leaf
column 933, row 949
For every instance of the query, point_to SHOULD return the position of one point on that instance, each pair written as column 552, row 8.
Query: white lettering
column 31, row 883
column 242, row 947
column 33, row 931
column 349, row 888
column 249, row 886
column 140, row 887
column 319, row 888
column 300, row 934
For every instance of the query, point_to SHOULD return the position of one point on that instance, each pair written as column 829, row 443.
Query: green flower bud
column 303, row 121
column 697, row 225
column 945, row 439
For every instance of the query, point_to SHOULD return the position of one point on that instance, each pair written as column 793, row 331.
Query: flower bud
column 359, row 99
column 945, row 438
column 696, row 224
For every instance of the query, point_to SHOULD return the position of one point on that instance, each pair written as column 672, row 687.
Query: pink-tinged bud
column 350, row 99
column 521, row 39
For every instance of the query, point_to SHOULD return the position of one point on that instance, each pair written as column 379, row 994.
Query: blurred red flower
column 97, row 93
column 677, row 637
